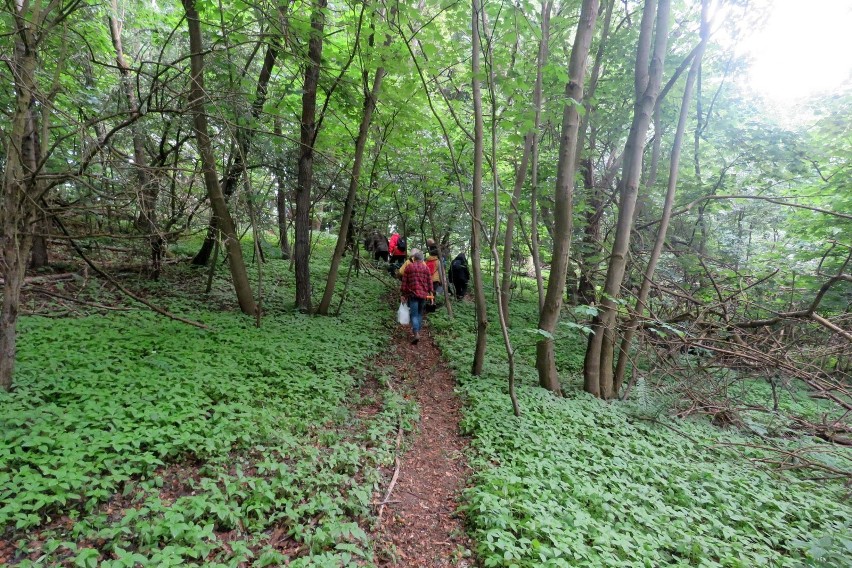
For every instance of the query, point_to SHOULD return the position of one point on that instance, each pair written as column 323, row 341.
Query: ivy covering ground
column 577, row 482
column 132, row 439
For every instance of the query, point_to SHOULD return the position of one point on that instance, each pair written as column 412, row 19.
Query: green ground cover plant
column 132, row 439
column 578, row 482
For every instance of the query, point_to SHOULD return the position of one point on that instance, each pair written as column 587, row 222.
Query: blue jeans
column 415, row 306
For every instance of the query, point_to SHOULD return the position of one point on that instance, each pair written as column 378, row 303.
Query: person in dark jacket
column 377, row 244
column 459, row 275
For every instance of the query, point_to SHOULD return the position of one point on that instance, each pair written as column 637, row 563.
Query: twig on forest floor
column 395, row 477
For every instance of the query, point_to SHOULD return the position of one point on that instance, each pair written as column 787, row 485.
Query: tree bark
column 563, row 194
column 598, row 363
column 307, row 139
column 590, row 246
column 668, row 205
column 476, row 222
column 19, row 210
column 242, row 286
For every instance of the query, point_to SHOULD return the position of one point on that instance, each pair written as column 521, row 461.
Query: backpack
column 401, row 244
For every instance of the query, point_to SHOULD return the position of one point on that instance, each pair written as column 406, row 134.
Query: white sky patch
column 805, row 49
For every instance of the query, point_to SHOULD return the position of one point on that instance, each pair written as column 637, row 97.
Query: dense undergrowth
column 133, row 439
column 577, row 482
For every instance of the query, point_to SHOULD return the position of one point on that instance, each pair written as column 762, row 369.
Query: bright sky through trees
column 805, row 48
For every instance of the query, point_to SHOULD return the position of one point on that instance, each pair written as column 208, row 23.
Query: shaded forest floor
column 131, row 439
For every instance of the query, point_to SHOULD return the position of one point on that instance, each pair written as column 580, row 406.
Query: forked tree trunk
column 306, row 159
column 598, row 363
column 476, row 222
column 674, row 164
column 563, row 193
column 520, row 175
column 208, row 164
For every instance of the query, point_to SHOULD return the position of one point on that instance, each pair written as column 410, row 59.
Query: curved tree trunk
column 306, row 159
column 211, row 181
column 598, row 363
column 563, row 211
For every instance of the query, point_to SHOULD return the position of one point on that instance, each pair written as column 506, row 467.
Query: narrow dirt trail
column 419, row 526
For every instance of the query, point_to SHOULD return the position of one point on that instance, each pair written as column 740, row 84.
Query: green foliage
column 578, row 482
column 145, row 441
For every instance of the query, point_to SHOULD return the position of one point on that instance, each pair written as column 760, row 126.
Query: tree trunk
column 148, row 189
column 520, row 175
column 590, row 246
column 306, row 159
column 370, row 100
column 598, row 364
column 563, row 193
column 238, row 163
column 677, row 145
column 211, row 181
column 19, row 210
column 476, row 223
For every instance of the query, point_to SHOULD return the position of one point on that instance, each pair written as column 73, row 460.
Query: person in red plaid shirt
column 416, row 286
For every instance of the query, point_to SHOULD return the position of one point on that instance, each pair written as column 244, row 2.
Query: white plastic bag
column 403, row 315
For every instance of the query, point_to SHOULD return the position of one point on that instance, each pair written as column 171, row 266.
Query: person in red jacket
column 416, row 286
column 397, row 249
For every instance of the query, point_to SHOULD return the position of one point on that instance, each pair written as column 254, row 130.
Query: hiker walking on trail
column 397, row 248
column 416, row 286
column 459, row 275
column 377, row 244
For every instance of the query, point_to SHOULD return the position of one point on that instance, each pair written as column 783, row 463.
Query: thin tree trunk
column 520, row 176
column 590, row 246
column 307, row 139
column 148, row 190
column 476, row 222
column 598, row 363
column 244, row 138
column 279, row 173
column 370, row 100
column 677, row 145
column 548, row 377
column 502, row 309
column 242, row 286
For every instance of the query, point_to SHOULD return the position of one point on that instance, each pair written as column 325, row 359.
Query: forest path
column 419, row 526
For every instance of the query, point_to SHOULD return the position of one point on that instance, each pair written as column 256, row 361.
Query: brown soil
column 419, row 525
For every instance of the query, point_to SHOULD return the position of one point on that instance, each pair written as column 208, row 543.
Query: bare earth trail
column 419, row 525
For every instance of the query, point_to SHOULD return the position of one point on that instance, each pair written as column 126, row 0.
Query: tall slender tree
column 371, row 98
column 307, row 139
column 239, row 275
column 563, row 195
column 476, row 209
column 674, row 164
column 598, row 363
